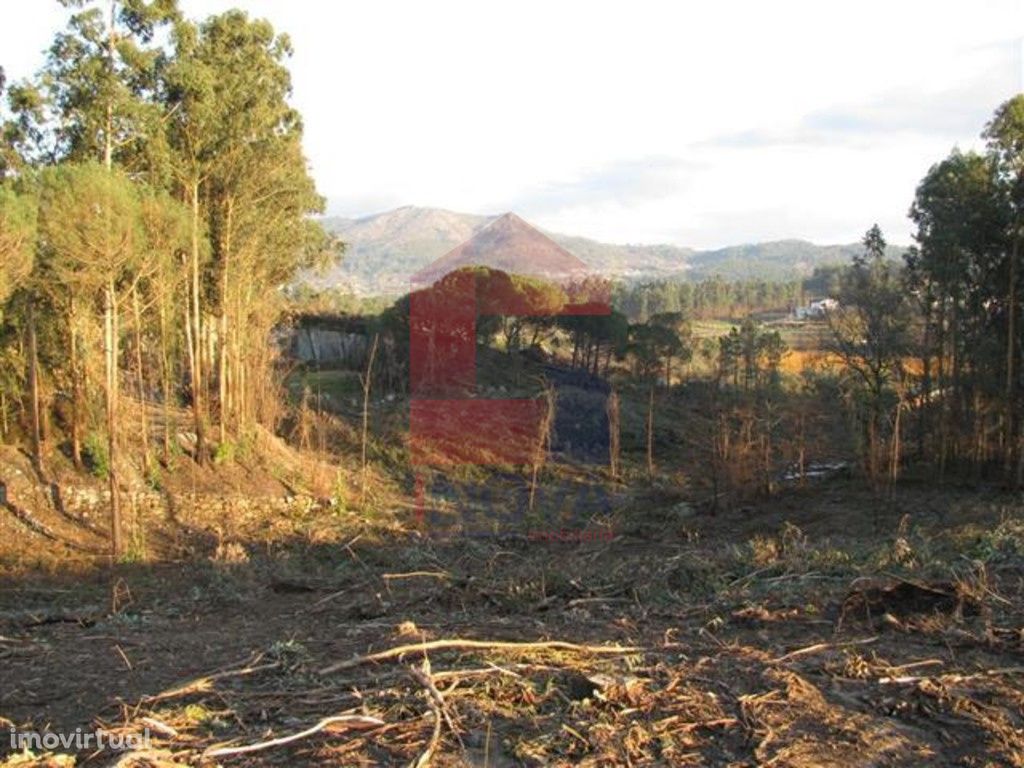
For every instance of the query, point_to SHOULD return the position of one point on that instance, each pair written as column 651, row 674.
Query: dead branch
column 821, row 647
column 466, row 645
column 201, row 684
column 360, row 722
column 437, row 709
column 722, row 722
column 416, row 574
column 440, row 709
column 159, row 726
column 906, row 679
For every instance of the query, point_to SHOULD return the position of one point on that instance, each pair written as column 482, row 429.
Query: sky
column 701, row 124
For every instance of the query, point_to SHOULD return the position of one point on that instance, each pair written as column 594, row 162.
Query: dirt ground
column 826, row 626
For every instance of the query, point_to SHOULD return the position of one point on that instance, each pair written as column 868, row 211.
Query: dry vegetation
column 828, row 626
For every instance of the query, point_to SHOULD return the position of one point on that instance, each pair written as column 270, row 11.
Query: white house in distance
column 816, row 309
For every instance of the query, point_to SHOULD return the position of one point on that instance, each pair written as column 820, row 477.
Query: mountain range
column 385, row 250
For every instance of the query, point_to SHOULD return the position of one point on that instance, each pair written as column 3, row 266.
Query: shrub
column 96, row 456
column 225, row 452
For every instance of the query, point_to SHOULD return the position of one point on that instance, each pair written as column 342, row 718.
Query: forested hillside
column 385, row 249
column 154, row 199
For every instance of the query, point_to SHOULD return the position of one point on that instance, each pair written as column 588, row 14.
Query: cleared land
column 826, row 626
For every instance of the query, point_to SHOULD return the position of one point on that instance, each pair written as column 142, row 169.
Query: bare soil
column 825, row 626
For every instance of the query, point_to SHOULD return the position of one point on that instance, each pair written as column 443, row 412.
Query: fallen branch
column 952, row 678
column 360, row 722
column 435, row 738
column 440, row 712
column 465, row 645
column 916, row 665
column 159, row 726
column 463, row 674
column 687, row 727
column 415, row 574
column 202, row 684
column 426, row 679
column 595, row 600
column 821, row 647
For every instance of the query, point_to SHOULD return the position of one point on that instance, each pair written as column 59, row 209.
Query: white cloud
column 703, row 124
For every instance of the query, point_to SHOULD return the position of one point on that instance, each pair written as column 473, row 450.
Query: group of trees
column 518, row 314
column 870, row 335
column 941, row 337
column 155, row 203
column 750, row 356
column 710, row 298
column 965, row 278
column 930, row 348
column 154, row 198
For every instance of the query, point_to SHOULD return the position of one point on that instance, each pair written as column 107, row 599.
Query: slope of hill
column 775, row 260
column 510, row 244
column 385, row 250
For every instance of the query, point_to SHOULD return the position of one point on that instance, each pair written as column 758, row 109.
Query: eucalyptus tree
column 92, row 101
column 1005, row 137
column 17, row 251
column 17, row 238
column 166, row 227
column 959, row 273
column 236, row 143
column 101, row 76
column 89, row 241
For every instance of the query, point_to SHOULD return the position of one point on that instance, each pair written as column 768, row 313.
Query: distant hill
column 386, row 249
column 775, row 260
column 510, row 244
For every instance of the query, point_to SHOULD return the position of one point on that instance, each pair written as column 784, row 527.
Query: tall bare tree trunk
column 894, row 453
column 802, row 449
column 1011, row 342
column 613, row 435
column 650, row 433
column 367, row 382
column 241, row 400
column 165, row 381
column 76, row 388
column 110, row 349
column 222, row 341
column 197, row 334
column 140, row 378
column 547, row 419
column 872, row 444
column 33, row 383
column 924, row 400
column 942, row 373
column 190, row 345
column 222, row 377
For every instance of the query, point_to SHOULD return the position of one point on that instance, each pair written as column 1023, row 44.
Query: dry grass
column 791, row 634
